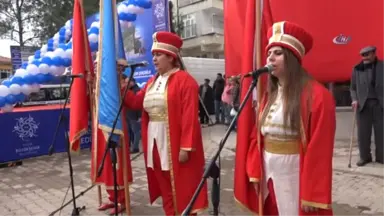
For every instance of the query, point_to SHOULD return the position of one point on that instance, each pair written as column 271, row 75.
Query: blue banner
column 30, row 134
column 138, row 37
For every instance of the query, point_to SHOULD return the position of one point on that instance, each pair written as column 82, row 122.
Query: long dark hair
column 295, row 81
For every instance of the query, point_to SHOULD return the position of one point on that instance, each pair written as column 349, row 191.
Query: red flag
column 81, row 64
column 258, row 20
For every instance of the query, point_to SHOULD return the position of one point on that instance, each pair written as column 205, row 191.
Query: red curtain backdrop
column 356, row 23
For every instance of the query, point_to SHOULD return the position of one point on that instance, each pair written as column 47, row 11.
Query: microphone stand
column 212, row 163
column 111, row 145
column 62, row 118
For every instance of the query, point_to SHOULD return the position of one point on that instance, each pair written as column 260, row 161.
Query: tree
column 16, row 17
column 176, row 26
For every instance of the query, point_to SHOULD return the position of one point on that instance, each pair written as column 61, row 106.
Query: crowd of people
column 222, row 99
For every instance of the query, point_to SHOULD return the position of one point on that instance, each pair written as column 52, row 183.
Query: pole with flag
column 81, row 64
column 112, row 133
column 258, row 19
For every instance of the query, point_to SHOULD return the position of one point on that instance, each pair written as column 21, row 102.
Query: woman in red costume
column 171, row 133
column 289, row 160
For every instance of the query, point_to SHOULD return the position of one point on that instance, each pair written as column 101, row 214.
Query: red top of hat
column 290, row 36
column 166, row 42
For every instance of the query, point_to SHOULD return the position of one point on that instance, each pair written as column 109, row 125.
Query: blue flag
column 108, row 83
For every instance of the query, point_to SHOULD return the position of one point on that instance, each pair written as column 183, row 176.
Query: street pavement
column 41, row 185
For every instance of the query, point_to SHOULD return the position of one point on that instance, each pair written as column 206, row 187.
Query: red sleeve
column 134, row 101
column 253, row 159
column 190, row 111
column 316, row 174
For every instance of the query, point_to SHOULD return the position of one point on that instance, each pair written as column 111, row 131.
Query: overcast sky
column 5, row 47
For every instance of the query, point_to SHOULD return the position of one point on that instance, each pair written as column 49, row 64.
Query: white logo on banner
column 26, row 128
column 159, row 10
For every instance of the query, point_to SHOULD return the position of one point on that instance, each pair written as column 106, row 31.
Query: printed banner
column 30, row 134
column 138, row 38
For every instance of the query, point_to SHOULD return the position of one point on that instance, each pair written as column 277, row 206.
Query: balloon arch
column 54, row 57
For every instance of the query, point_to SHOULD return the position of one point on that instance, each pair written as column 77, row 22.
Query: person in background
column 134, row 118
column 367, row 100
column 171, row 132
column 218, row 89
column 206, row 94
column 235, row 97
column 226, row 99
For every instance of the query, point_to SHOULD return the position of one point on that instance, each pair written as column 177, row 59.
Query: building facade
column 5, row 67
column 202, row 28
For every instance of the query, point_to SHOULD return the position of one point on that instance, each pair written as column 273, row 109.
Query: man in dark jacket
column 206, row 94
column 133, row 118
column 367, row 99
column 218, row 88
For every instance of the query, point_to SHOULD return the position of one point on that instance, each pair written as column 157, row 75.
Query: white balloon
column 50, row 54
column 56, row 37
column 60, row 53
column 15, row 89
column 52, row 70
column 32, row 69
column 31, row 58
column 44, row 48
column 95, row 24
column 68, row 53
column 93, row 38
column 44, row 68
column 26, row 89
column 4, row 91
column 121, row 8
column 7, row 108
column 68, row 32
column 60, row 71
column 68, row 24
column 18, row 73
column 130, row 9
column 55, row 43
column 35, row 88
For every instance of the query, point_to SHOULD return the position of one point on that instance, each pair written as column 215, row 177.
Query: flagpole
column 258, row 17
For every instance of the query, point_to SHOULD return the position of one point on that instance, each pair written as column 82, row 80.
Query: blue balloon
column 24, row 65
column 37, row 54
column 69, row 45
column 62, row 46
column 57, row 61
column 127, row 17
column 20, row 97
column 30, row 79
column 48, row 77
column 62, row 31
column 17, row 80
column 6, row 83
column 67, row 62
column 143, row 3
column 94, row 46
column 10, row 99
column 50, row 48
column 62, row 39
column 50, row 42
column 36, row 62
column 40, row 78
column 46, row 60
column 94, row 30
column 2, row 101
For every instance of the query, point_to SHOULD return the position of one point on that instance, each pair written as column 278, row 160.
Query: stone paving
column 40, row 185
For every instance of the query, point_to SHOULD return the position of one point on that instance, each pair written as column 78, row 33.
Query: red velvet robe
column 316, row 152
column 184, row 132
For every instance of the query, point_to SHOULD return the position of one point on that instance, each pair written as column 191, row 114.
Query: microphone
column 138, row 64
column 258, row 72
column 73, row 75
